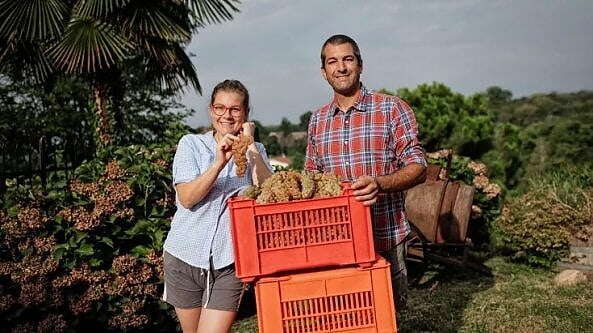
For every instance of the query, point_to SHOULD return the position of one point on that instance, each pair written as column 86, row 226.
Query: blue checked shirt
column 204, row 230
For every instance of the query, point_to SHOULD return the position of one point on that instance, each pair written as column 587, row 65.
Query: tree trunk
column 116, row 109
column 103, row 121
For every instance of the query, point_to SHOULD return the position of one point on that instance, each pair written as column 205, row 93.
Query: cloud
column 273, row 47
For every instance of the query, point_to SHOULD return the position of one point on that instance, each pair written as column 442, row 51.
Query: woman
column 200, row 279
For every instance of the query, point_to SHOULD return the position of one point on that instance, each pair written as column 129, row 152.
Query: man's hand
column 366, row 190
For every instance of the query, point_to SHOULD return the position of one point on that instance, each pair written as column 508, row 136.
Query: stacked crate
column 314, row 265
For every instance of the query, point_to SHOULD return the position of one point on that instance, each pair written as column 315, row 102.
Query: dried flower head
column 14, row 230
column 6, row 302
column 481, row 182
column 24, row 328
column 492, row 191
column 33, row 293
column 89, row 190
column 44, row 244
column 52, row 323
column 32, row 218
column 478, row 168
column 81, row 217
column 114, row 171
column 443, row 153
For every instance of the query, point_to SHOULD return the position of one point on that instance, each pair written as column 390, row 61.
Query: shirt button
column 345, row 142
column 347, row 163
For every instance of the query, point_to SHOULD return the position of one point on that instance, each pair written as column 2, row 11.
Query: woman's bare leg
column 189, row 319
column 216, row 321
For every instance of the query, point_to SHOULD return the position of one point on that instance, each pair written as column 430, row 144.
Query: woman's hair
column 232, row 86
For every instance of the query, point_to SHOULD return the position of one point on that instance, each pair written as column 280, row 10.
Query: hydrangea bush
column 87, row 254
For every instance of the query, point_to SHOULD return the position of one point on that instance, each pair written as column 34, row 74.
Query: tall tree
column 95, row 39
column 304, row 121
column 447, row 119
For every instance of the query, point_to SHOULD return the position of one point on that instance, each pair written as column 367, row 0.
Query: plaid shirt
column 377, row 136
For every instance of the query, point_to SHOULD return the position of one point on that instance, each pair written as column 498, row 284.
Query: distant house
column 290, row 139
column 280, row 161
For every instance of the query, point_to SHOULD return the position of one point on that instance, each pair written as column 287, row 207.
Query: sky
column 273, row 47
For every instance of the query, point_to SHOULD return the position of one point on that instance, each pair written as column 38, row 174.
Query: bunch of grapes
column 290, row 185
column 239, row 148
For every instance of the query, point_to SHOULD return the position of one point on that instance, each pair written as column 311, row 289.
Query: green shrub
column 447, row 119
column 557, row 207
column 88, row 255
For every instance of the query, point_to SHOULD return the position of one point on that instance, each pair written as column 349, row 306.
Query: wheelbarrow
column 439, row 213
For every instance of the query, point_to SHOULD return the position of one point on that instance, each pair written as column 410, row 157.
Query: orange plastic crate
column 270, row 238
column 353, row 299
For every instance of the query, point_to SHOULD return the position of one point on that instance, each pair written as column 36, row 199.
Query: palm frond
column 168, row 63
column 98, row 8
column 155, row 19
column 32, row 19
column 24, row 60
column 89, row 45
column 206, row 12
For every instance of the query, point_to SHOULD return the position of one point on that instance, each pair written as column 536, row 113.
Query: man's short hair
column 337, row 40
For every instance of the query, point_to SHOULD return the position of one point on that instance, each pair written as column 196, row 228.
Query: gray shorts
column 187, row 286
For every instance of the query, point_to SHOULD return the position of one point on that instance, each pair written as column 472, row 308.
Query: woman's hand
column 248, row 128
column 223, row 149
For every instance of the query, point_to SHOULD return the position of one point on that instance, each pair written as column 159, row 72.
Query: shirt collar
column 359, row 105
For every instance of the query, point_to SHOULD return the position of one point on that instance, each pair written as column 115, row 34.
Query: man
column 369, row 139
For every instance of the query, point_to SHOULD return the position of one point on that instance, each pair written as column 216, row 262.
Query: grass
column 514, row 298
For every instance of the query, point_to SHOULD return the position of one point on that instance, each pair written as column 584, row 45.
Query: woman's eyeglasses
column 220, row 110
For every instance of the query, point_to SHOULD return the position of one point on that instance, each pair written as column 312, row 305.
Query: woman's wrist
column 218, row 164
column 253, row 148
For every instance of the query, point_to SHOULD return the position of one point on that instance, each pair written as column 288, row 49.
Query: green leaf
column 157, row 238
column 107, row 241
column 140, row 227
column 99, row 8
column 13, row 211
column 94, row 262
column 170, row 65
column 159, row 20
column 155, row 212
column 78, row 236
column 52, row 195
column 32, row 19
column 212, row 11
column 86, row 250
column 59, row 252
column 140, row 251
column 90, row 45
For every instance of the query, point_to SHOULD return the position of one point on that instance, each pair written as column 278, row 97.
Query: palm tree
column 94, row 39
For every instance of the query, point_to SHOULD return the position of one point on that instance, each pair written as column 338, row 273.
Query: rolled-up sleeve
column 405, row 130
column 262, row 150
column 185, row 164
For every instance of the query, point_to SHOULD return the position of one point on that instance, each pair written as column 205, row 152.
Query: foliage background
column 84, row 251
